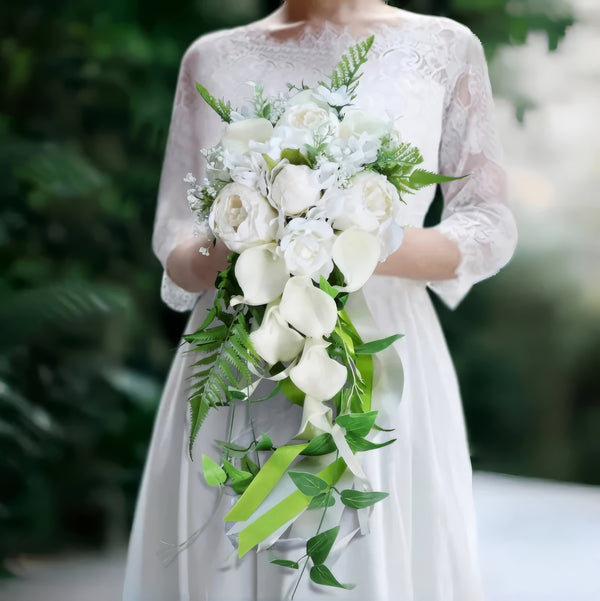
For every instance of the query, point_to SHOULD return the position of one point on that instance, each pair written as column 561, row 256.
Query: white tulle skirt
column 422, row 540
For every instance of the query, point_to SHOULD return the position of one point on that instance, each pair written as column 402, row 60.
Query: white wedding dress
column 429, row 73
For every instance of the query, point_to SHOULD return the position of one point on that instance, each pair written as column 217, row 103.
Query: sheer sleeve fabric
column 173, row 221
column 475, row 215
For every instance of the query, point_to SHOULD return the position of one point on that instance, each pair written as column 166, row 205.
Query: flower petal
column 317, row 374
column 356, row 253
column 307, row 308
column 316, row 419
column 261, row 274
column 274, row 340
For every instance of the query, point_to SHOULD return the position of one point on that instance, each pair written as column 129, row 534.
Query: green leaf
column 285, row 563
column 370, row 348
column 318, row 547
column 358, row 423
column 358, row 443
column 320, row 445
column 327, row 287
column 264, row 444
column 249, row 465
column 356, row 499
column 214, row 474
column 309, row 484
column 269, row 161
column 222, row 108
column 199, row 409
column 239, row 479
column 420, row 178
column 320, row 574
column 292, row 392
column 295, row 157
column 322, row 500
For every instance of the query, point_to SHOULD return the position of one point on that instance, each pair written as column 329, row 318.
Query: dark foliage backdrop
column 85, row 342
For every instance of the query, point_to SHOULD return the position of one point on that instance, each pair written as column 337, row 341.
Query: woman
column 430, row 75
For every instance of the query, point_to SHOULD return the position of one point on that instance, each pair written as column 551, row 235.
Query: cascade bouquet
column 306, row 192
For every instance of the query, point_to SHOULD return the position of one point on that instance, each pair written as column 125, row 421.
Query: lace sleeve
column 173, row 221
column 475, row 214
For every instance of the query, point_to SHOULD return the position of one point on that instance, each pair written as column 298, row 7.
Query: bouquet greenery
column 307, row 192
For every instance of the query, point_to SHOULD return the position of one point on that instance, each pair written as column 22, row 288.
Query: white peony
column 306, row 246
column 239, row 134
column 242, row 217
column 370, row 203
column 295, row 189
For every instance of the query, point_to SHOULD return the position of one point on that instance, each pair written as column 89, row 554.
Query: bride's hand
column 193, row 271
column 425, row 254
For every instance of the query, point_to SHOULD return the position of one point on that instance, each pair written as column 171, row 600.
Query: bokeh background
column 85, row 342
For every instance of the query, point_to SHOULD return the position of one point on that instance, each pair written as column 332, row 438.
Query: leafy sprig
column 222, row 108
column 223, row 372
column 346, row 73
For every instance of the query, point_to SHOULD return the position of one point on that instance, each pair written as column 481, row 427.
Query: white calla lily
column 239, row 134
column 316, row 419
column 356, row 253
column 274, row 340
column 307, row 308
column 317, row 374
column 261, row 274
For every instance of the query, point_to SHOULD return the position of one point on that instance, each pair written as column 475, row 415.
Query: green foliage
column 227, row 350
column 346, row 73
column 308, row 484
column 222, row 108
column 319, row 546
column 322, row 575
column 214, row 474
column 357, row 499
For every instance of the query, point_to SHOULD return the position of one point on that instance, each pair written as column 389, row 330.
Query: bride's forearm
column 425, row 254
column 192, row 270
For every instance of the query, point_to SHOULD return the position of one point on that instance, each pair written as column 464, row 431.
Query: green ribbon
column 264, row 482
column 284, row 511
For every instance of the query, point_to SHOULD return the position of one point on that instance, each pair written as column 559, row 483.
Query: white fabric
column 430, row 74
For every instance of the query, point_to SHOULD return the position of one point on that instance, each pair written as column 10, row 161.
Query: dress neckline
column 326, row 33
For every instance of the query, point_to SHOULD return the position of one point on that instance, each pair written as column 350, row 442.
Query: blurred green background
column 85, row 341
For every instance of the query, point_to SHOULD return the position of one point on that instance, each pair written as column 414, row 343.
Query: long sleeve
column 173, row 221
column 475, row 215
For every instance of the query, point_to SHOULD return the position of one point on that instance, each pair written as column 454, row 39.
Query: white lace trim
column 175, row 297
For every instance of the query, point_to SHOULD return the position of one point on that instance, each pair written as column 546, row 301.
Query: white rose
column 239, row 134
column 306, row 246
column 295, row 188
column 356, row 123
column 241, row 217
column 309, row 116
column 372, row 204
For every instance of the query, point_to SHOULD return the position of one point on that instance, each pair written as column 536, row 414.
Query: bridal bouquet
column 306, row 192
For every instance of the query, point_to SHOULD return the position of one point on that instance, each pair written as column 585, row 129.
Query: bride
column 429, row 74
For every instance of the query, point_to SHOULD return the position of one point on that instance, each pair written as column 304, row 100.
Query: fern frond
column 199, row 409
column 346, row 72
column 222, row 108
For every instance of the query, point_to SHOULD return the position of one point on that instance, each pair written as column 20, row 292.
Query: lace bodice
column 427, row 73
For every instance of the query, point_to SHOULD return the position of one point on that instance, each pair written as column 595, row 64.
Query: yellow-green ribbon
column 284, row 511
